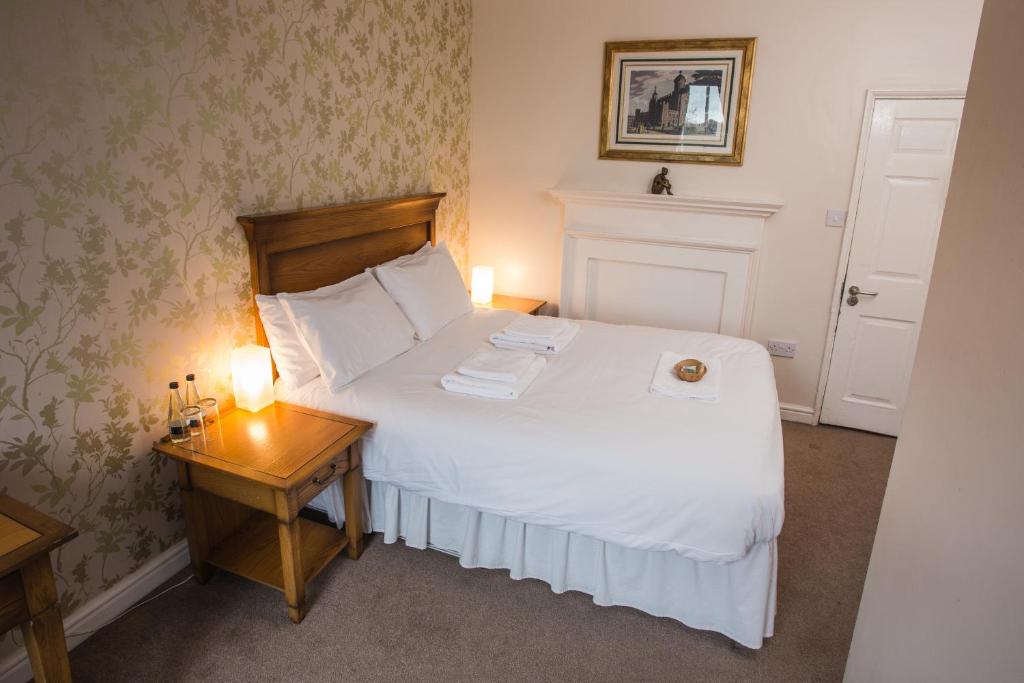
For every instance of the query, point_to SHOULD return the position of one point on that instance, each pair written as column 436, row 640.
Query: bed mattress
column 587, row 449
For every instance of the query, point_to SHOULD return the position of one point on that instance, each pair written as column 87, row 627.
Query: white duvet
column 587, row 448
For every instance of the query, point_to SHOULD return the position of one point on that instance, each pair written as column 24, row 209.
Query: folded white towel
column 497, row 365
column 666, row 383
column 460, row 384
column 546, row 347
column 536, row 327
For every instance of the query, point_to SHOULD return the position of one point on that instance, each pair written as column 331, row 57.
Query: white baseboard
column 796, row 413
column 105, row 607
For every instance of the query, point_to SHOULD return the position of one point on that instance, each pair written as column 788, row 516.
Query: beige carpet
column 404, row 614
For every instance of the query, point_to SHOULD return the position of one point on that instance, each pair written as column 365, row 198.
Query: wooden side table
column 242, row 489
column 514, row 303
column 28, row 593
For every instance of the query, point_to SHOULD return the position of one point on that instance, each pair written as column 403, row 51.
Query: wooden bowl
column 690, row 370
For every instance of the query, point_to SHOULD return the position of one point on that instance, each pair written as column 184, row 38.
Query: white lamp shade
column 482, row 286
column 252, row 377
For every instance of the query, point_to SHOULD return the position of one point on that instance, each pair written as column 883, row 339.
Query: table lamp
column 482, row 286
column 252, row 377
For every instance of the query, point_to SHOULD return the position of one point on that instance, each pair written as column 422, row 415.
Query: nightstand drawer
column 321, row 479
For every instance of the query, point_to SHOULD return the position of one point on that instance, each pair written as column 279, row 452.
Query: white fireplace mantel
column 672, row 261
column 664, row 202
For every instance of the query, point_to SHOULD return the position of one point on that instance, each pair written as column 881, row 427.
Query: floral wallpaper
column 133, row 132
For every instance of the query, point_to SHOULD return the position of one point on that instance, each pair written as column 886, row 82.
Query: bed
column 587, row 482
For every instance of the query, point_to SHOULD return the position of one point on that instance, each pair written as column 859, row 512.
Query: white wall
column 944, row 598
column 536, row 94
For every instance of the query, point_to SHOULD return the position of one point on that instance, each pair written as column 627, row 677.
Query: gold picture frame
column 639, row 124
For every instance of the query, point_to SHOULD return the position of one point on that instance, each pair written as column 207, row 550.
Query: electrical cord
column 130, row 609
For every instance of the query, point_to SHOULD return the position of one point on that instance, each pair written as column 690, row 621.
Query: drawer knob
column 320, row 482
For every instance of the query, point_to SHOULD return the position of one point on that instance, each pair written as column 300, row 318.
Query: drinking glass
column 211, row 415
column 194, row 420
column 210, row 410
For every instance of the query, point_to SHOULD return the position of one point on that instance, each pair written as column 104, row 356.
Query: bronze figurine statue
column 661, row 184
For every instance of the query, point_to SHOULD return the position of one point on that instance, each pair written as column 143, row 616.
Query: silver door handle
column 857, row 291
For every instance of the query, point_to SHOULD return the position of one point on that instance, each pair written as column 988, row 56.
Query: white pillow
column 425, row 249
column 428, row 289
column 350, row 327
column 291, row 356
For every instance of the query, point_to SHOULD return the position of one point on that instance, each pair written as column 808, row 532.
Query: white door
column 906, row 166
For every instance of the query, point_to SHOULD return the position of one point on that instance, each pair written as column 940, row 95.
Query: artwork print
column 676, row 100
column 667, row 102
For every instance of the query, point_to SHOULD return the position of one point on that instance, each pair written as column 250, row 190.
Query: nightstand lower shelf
column 254, row 551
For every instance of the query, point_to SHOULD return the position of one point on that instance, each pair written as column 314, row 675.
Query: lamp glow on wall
column 482, row 285
column 252, row 377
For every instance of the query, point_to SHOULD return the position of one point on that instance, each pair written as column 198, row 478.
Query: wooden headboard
column 294, row 251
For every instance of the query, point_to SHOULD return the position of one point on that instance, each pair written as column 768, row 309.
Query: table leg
column 291, row 560
column 44, row 631
column 352, row 484
column 195, row 526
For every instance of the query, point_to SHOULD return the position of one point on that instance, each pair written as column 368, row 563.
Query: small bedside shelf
column 514, row 303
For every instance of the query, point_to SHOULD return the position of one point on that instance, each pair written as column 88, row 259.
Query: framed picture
column 676, row 100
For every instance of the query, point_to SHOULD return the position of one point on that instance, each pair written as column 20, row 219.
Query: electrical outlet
column 835, row 218
column 782, row 349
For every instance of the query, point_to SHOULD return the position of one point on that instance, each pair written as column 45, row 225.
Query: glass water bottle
column 192, row 393
column 176, row 427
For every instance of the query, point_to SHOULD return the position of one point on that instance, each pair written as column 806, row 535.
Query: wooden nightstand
column 28, row 593
column 514, row 303
column 243, row 487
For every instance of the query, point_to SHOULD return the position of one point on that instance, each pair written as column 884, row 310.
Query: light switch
column 835, row 218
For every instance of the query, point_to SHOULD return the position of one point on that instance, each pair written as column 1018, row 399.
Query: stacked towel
column 534, row 327
column 495, row 373
column 540, row 334
column 666, row 383
column 497, row 365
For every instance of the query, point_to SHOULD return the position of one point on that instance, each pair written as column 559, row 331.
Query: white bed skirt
column 736, row 599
